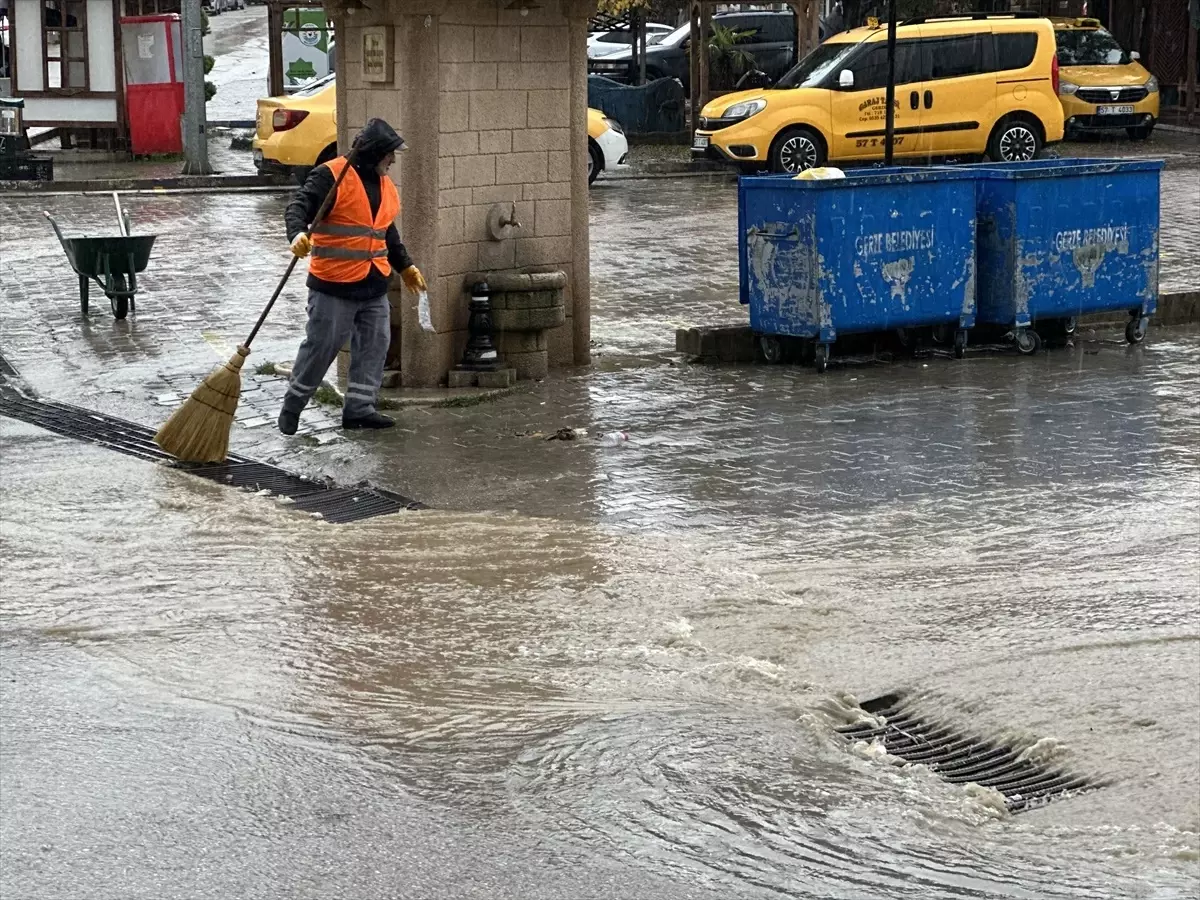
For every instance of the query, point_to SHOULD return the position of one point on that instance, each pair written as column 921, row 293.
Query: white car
column 607, row 147
column 603, row 43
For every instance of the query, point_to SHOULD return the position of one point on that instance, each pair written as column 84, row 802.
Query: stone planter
column 524, row 308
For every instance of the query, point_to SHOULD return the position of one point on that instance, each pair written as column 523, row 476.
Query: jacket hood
column 375, row 141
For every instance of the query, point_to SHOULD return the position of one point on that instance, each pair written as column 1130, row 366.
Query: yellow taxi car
column 964, row 86
column 607, row 145
column 299, row 131
column 1102, row 86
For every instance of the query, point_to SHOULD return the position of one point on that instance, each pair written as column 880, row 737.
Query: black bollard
column 480, row 354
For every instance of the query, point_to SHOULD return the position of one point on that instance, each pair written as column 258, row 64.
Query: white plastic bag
column 821, row 173
column 423, row 315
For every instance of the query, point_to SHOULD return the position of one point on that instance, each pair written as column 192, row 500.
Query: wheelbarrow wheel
column 119, row 303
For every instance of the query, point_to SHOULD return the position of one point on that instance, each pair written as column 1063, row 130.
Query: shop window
column 64, row 43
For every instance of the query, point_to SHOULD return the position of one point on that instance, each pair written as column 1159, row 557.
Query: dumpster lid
column 1056, row 168
column 867, row 177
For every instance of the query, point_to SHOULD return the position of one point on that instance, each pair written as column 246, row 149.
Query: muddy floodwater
column 208, row 695
column 592, row 673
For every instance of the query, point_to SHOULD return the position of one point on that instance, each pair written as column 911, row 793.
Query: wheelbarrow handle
column 324, row 208
column 54, row 225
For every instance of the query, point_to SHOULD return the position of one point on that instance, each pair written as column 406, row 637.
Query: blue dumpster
column 1060, row 238
column 886, row 249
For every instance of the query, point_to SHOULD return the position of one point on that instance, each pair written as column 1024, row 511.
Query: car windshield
column 675, row 37
column 1088, row 47
column 815, row 67
column 626, row 37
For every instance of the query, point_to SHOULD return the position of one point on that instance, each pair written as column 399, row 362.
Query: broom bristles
column 199, row 430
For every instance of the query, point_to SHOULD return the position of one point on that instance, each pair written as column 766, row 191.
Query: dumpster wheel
column 821, row 358
column 772, row 348
column 960, row 343
column 1135, row 331
column 1028, row 342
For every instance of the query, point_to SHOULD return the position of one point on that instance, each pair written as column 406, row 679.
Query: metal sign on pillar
column 195, row 117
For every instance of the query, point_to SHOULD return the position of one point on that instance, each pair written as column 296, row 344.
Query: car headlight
column 1152, row 85
column 746, row 109
column 1065, row 87
column 614, row 125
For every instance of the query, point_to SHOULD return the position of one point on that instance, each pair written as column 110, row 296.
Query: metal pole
column 890, row 97
column 640, row 38
column 195, row 119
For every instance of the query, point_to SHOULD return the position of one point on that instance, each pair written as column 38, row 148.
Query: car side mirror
column 846, row 79
column 1133, row 54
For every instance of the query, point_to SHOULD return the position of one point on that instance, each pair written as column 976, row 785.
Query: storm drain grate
column 334, row 504
column 962, row 758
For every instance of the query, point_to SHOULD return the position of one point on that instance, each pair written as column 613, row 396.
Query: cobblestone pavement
column 712, row 447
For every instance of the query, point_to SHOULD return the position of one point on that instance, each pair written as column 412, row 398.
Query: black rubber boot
column 374, row 420
column 288, row 421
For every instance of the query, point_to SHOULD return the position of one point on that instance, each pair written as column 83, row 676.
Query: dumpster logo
column 867, row 245
column 897, row 275
column 1088, row 247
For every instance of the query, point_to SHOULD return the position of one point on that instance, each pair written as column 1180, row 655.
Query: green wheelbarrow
column 112, row 262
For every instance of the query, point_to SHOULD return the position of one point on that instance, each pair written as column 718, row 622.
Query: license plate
column 700, row 142
column 1114, row 110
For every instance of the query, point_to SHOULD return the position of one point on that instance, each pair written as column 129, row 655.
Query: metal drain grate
column 338, row 505
column 962, row 758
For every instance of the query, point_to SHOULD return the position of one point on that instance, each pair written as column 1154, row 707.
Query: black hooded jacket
column 374, row 142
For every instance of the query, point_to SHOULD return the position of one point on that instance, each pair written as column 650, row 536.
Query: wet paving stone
column 710, row 447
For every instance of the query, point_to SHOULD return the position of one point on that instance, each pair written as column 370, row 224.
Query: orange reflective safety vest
column 347, row 242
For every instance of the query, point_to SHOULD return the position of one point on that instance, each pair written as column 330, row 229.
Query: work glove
column 301, row 245
column 414, row 280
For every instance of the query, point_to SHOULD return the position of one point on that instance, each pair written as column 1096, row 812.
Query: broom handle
column 324, row 208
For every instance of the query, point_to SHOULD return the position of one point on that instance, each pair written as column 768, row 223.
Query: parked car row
column 216, row 7
column 298, row 131
column 1000, row 85
column 606, row 43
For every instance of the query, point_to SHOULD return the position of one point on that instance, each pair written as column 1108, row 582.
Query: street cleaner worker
column 355, row 249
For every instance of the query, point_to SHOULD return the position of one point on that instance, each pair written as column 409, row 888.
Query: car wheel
column 327, row 154
column 1014, row 140
column 797, row 149
column 1139, row 132
column 595, row 161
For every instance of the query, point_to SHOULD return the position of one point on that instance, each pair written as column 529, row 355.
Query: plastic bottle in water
column 613, row 439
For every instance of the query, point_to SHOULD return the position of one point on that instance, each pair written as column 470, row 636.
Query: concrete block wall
column 493, row 104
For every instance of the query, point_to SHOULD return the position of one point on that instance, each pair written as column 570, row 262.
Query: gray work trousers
column 331, row 321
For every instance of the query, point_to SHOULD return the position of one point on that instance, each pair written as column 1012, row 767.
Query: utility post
column 195, row 118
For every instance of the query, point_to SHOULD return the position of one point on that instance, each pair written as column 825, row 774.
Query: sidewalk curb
column 734, row 342
column 172, row 183
column 464, row 397
column 1179, row 129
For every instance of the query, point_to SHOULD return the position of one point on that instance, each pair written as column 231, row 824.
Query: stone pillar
column 579, row 301
column 493, row 104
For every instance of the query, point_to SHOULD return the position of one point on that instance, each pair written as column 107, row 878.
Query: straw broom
column 199, row 430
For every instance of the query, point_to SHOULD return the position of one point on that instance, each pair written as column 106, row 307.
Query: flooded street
column 601, row 673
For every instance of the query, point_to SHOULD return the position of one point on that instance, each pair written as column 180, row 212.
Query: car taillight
column 1054, row 72
column 283, row 119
